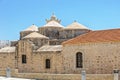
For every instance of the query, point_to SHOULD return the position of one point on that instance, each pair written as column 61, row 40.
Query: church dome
column 76, row 25
column 31, row 28
column 53, row 22
column 35, row 35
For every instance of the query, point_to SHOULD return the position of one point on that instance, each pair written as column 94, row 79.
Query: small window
column 79, row 61
column 23, row 59
column 47, row 63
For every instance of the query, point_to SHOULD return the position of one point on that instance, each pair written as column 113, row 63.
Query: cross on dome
column 53, row 18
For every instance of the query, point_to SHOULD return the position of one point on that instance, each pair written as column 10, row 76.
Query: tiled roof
column 76, row 25
column 53, row 24
column 35, row 35
column 50, row 48
column 96, row 36
column 32, row 28
column 7, row 49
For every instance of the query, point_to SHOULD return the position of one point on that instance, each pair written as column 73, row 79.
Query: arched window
column 47, row 63
column 79, row 60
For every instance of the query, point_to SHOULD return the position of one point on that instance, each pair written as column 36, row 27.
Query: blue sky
column 17, row 15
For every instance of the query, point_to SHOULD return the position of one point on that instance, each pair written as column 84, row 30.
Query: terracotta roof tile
column 96, row 36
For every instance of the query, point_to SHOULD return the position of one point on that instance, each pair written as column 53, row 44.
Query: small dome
column 76, row 25
column 35, row 35
column 53, row 24
column 32, row 28
column 8, row 49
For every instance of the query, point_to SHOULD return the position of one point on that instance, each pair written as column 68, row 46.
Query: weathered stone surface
column 98, row 58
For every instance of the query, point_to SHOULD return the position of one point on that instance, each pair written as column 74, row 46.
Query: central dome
column 53, row 22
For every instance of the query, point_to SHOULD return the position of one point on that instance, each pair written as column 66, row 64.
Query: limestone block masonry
column 55, row 52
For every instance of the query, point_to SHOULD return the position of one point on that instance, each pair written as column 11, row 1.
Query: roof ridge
column 35, row 35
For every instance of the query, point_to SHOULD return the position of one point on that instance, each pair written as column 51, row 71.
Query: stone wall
column 71, row 33
column 35, row 61
column 39, row 58
column 56, row 41
column 66, row 76
column 7, row 60
column 57, row 34
column 24, row 48
column 98, row 58
column 51, row 32
column 47, row 76
column 38, row 42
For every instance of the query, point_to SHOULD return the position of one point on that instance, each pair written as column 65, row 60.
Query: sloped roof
column 76, row 25
column 50, row 48
column 53, row 24
column 35, row 35
column 32, row 28
column 96, row 36
column 7, row 49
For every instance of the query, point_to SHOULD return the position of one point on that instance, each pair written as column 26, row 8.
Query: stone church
column 53, row 48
